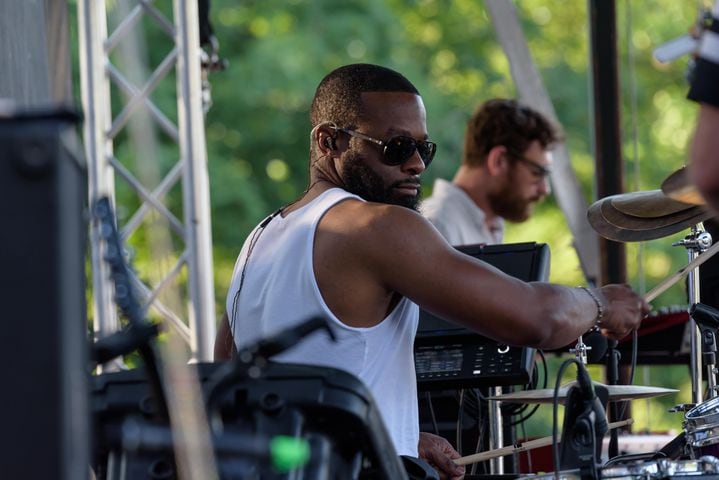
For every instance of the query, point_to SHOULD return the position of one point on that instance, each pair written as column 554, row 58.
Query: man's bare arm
column 406, row 254
column 224, row 342
column 704, row 168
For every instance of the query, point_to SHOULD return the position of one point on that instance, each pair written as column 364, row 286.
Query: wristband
column 600, row 307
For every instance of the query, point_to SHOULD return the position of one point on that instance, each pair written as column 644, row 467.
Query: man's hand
column 624, row 310
column 439, row 454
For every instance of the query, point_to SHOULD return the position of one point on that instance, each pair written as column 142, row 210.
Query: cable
column 431, row 413
column 526, row 417
column 529, row 452
column 478, row 446
column 555, row 407
column 203, row 14
column 622, row 410
column 460, row 413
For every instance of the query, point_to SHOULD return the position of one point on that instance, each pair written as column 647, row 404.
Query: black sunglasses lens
column 426, row 151
column 400, row 149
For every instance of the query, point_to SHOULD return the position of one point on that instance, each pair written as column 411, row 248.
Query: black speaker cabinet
column 43, row 407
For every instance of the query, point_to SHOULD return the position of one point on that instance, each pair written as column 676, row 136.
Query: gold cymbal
column 679, row 187
column 647, row 204
column 616, row 393
column 641, row 216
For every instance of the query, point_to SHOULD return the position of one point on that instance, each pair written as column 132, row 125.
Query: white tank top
column 280, row 291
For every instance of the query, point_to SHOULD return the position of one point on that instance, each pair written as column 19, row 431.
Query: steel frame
column 102, row 126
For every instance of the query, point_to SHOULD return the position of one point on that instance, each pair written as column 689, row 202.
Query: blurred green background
column 278, row 50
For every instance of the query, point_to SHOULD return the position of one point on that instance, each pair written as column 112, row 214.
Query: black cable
column 529, row 452
column 483, row 425
column 467, row 403
column 478, row 446
column 526, row 417
column 256, row 234
column 555, row 407
column 460, row 413
column 536, row 407
column 127, row 301
column 431, row 413
column 534, row 386
column 544, row 364
column 622, row 410
column 203, row 14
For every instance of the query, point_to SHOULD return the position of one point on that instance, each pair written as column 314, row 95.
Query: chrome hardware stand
column 696, row 242
column 496, row 435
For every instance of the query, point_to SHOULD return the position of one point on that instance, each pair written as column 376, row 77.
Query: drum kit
column 643, row 216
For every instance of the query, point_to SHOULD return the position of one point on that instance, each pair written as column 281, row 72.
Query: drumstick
column 522, row 447
column 669, row 281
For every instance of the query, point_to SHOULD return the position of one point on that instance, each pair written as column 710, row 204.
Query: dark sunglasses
column 397, row 150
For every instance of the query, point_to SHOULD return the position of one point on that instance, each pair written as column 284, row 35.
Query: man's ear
column 324, row 137
column 497, row 161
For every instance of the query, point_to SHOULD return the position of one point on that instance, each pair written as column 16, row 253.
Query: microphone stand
column 613, row 357
column 696, row 242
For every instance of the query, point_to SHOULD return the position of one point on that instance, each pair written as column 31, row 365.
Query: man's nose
column 545, row 188
column 414, row 164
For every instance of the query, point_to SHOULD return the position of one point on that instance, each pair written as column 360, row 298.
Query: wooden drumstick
column 522, row 447
column 669, row 281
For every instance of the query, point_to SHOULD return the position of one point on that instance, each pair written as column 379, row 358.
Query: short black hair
column 338, row 96
column 507, row 123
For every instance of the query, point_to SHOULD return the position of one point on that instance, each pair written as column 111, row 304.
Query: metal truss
column 114, row 99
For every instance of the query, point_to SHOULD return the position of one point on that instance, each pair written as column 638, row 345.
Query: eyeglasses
column 538, row 171
column 398, row 150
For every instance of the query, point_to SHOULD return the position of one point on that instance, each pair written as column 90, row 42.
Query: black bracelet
column 600, row 307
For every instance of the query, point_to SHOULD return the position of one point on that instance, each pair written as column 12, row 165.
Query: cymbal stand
column 695, row 242
column 496, row 431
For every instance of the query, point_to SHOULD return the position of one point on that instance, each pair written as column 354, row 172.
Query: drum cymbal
column 616, row 393
column 647, row 204
column 653, row 215
column 679, row 187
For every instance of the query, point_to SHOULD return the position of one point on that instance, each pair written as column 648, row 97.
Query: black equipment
column 660, row 339
column 329, row 408
column 585, row 424
column 43, row 196
column 139, row 333
column 450, row 356
column 707, row 319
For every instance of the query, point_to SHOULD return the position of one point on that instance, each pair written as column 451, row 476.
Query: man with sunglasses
column 504, row 173
column 353, row 250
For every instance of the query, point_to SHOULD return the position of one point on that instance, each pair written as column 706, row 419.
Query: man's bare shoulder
column 357, row 218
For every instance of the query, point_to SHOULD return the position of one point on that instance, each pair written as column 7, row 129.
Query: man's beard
column 361, row 180
column 508, row 204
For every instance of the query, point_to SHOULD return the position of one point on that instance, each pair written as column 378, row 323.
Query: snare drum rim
column 703, row 409
column 704, row 416
column 703, row 437
column 661, row 468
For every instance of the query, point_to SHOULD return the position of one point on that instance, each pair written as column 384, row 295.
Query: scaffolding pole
column 100, row 77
